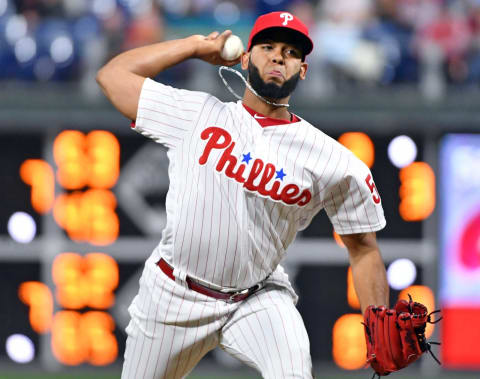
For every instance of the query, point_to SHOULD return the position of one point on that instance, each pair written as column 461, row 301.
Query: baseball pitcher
column 245, row 177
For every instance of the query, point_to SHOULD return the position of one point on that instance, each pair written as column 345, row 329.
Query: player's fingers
column 213, row 35
column 223, row 37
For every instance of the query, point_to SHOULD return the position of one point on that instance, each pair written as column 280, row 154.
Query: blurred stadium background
column 396, row 81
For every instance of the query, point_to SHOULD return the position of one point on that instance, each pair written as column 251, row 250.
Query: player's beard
column 271, row 90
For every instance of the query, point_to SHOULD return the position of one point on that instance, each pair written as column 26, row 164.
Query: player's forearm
column 369, row 277
column 149, row 61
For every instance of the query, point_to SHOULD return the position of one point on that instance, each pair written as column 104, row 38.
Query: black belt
column 231, row 297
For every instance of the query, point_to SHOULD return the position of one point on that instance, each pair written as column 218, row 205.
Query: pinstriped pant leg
column 266, row 332
column 171, row 329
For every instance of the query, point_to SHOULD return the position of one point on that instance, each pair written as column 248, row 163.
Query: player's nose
column 276, row 56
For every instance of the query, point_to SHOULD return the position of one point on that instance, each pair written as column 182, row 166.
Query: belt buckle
column 232, row 297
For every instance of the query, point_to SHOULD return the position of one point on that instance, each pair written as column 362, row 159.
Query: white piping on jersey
column 247, row 84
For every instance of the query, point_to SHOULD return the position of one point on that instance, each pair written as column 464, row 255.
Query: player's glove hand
column 396, row 337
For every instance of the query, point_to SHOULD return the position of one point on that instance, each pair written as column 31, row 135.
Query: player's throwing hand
column 208, row 48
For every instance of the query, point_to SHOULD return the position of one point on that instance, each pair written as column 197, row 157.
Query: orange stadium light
column 69, row 343
column 100, row 219
column 88, row 216
column 417, row 191
column 361, row 145
column 78, row 338
column 87, row 160
column 69, row 152
column 40, row 300
column 39, row 175
column 68, row 275
column 349, row 348
column 85, row 281
column 98, row 327
column 352, row 297
column 67, row 214
column 101, row 272
column 424, row 295
column 104, row 154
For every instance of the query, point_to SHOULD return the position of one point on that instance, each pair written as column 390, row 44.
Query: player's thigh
column 171, row 355
column 267, row 333
column 171, row 329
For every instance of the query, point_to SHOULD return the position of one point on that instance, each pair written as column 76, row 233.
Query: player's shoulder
column 319, row 137
column 331, row 149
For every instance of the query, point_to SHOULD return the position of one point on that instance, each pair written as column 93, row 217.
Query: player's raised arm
column 368, row 270
column 122, row 78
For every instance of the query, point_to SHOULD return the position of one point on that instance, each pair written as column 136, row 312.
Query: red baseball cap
column 282, row 20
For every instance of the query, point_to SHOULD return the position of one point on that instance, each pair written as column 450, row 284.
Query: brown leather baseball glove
column 396, row 337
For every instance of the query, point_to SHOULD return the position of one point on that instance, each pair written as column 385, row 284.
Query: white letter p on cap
column 287, row 17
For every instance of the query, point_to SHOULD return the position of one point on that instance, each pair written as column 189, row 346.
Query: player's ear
column 303, row 70
column 244, row 59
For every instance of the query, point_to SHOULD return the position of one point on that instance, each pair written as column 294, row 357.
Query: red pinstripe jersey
column 240, row 192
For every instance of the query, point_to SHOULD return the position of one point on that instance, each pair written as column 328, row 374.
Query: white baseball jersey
column 240, row 192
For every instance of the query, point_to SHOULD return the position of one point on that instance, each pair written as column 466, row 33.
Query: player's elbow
column 360, row 244
column 102, row 79
column 360, row 240
column 123, row 93
column 107, row 79
column 99, row 77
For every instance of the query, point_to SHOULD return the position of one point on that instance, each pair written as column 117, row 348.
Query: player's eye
column 293, row 53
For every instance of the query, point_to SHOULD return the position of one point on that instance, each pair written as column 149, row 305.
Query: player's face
column 274, row 68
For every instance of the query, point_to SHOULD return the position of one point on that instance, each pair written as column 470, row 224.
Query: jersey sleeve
column 353, row 203
column 166, row 114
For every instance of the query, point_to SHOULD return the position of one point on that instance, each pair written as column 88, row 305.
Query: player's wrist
column 194, row 45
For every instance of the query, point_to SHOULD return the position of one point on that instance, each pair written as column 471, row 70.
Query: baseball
column 232, row 49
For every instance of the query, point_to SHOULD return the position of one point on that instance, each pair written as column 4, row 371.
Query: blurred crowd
column 430, row 43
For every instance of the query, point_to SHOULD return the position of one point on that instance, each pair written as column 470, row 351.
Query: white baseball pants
column 173, row 327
